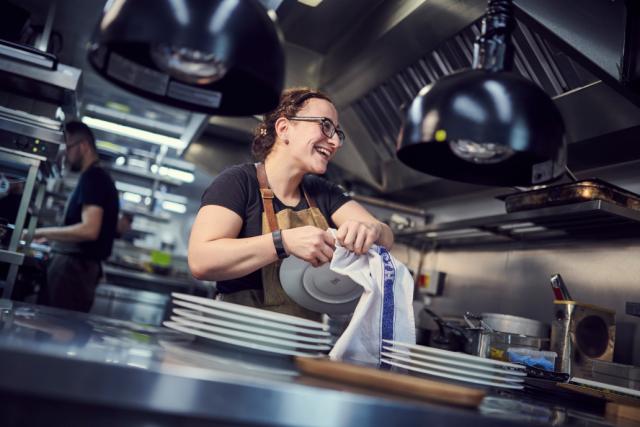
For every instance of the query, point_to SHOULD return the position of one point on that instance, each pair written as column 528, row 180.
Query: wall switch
column 431, row 282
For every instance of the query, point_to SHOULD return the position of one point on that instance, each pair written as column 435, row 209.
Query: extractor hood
column 583, row 54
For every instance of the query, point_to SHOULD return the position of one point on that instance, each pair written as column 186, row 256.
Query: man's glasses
column 327, row 126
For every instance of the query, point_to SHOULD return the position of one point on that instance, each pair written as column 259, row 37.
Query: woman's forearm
column 224, row 259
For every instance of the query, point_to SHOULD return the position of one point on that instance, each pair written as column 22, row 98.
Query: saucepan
column 481, row 336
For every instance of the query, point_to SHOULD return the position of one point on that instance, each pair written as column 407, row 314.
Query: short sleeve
column 229, row 189
column 329, row 196
column 93, row 188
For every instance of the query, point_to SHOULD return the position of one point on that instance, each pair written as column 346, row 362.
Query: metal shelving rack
column 591, row 219
column 11, row 255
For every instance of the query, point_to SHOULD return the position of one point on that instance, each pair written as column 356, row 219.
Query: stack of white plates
column 453, row 365
column 248, row 327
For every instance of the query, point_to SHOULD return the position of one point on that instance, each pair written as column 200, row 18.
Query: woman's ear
column 282, row 127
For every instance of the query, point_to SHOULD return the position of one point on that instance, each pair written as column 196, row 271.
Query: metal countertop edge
column 270, row 402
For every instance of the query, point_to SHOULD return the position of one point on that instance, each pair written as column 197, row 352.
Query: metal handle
column 558, row 284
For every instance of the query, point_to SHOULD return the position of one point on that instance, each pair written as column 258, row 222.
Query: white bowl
column 318, row 289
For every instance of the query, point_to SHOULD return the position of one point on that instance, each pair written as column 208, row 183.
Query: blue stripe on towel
column 388, row 300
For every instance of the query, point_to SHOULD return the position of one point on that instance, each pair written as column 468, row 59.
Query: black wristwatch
column 277, row 242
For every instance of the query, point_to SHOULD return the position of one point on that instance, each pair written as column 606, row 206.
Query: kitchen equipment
column 515, row 325
column 574, row 192
column 391, row 382
column 30, row 72
column 560, row 290
column 580, row 334
column 200, row 56
column 441, row 135
column 494, row 334
column 319, row 289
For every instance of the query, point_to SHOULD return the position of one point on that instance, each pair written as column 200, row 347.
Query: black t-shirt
column 95, row 187
column 237, row 189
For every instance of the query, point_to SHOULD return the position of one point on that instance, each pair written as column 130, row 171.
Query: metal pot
column 515, row 325
column 486, row 341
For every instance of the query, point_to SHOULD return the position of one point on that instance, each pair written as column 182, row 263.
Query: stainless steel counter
column 152, row 282
column 91, row 370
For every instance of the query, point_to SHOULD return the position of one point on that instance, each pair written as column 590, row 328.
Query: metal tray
column 575, row 192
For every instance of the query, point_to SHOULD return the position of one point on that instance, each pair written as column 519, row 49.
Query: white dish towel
column 385, row 309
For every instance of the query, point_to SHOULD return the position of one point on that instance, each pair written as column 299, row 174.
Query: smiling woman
column 254, row 215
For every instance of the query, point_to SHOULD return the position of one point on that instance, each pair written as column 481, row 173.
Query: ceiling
column 371, row 57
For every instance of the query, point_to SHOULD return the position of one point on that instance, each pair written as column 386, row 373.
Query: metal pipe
column 492, row 49
column 43, row 41
column 390, row 205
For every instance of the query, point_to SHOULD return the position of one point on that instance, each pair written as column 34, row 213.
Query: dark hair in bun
column 291, row 101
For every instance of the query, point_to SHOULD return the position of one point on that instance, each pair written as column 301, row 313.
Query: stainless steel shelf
column 593, row 219
column 11, row 257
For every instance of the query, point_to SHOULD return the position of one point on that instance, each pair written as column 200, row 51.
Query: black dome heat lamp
column 486, row 125
column 218, row 57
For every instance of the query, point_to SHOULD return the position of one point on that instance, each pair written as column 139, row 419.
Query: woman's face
column 307, row 142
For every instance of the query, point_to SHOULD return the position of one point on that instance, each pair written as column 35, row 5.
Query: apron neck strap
column 267, row 197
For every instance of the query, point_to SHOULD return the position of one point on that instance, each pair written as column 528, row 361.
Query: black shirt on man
column 95, row 187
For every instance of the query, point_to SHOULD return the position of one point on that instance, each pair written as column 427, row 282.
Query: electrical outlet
column 431, row 282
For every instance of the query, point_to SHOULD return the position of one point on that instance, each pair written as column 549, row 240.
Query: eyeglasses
column 327, row 126
column 73, row 144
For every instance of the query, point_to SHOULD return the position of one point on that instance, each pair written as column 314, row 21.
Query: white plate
column 239, row 343
column 318, row 288
column 249, row 320
column 251, row 311
column 251, row 337
column 455, row 371
column 195, row 316
column 605, row 386
column 453, row 377
column 462, row 364
column 456, row 355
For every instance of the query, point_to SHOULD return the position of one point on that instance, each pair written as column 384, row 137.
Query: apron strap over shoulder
column 267, row 197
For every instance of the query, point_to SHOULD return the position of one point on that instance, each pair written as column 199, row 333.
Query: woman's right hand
column 309, row 243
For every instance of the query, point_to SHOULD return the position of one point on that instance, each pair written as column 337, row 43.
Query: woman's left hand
column 358, row 236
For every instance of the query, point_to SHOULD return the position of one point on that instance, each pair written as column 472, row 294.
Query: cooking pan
column 575, row 192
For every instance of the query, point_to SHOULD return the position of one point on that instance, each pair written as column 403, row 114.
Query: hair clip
column 263, row 132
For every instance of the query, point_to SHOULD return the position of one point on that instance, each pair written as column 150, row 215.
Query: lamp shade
column 484, row 127
column 219, row 57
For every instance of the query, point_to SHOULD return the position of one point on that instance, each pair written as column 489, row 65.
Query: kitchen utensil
column 515, row 325
column 581, row 333
column 575, row 192
column 450, row 336
column 486, row 338
column 560, row 290
column 319, row 289
column 392, row 382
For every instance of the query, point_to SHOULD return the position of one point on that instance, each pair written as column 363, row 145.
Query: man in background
column 86, row 237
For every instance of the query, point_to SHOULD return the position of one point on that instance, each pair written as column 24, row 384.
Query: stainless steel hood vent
column 37, row 76
column 534, row 58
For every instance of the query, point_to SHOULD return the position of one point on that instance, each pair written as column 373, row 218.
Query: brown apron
column 273, row 297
